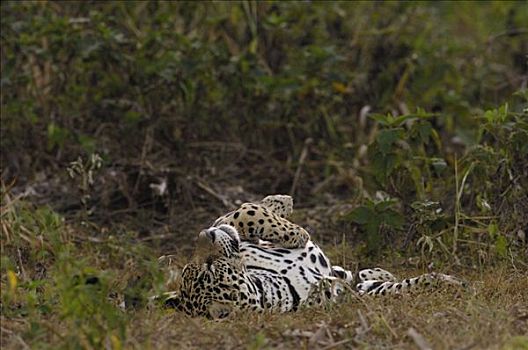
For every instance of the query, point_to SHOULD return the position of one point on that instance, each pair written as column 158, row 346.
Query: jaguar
column 260, row 261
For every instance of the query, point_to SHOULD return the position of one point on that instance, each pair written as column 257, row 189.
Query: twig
column 510, row 32
column 353, row 293
column 156, row 237
column 144, row 150
column 457, row 208
column 6, row 231
column 469, row 346
column 418, row 339
column 22, row 270
column 341, row 342
column 389, row 327
column 302, row 158
column 363, row 321
column 216, row 195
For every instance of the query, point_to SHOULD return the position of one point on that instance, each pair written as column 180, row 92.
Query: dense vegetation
column 400, row 128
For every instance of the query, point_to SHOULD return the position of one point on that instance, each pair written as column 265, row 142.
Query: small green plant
column 373, row 217
column 69, row 287
column 494, row 179
column 428, row 222
column 83, row 304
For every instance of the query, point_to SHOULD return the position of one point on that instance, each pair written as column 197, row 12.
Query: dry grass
column 491, row 314
column 494, row 315
column 45, row 303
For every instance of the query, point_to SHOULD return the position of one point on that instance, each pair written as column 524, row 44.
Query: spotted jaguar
column 267, row 221
column 260, row 261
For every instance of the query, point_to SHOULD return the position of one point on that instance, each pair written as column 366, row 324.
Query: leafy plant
column 496, row 169
column 69, row 289
column 401, row 153
column 375, row 216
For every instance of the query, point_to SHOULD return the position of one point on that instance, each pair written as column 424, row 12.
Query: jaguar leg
column 377, row 274
column 345, row 275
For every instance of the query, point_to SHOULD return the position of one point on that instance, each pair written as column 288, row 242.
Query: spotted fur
column 380, row 282
column 267, row 221
column 261, row 261
column 257, row 277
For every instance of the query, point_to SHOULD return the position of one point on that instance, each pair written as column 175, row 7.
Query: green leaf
column 393, row 219
column 384, row 205
column 402, row 119
column 373, row 236
column 378, row 165
column 501, row 245
column 361, row 215
column 132, row 117
column 392, row 161
column 424, row 131
column 382, row 119
column 87, row 143
column 383, row 165
column 56, row 135
column 386, row 138
column 493, row 229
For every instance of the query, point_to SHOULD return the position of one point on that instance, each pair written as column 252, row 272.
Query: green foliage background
column 86, row 77
column 389, row 96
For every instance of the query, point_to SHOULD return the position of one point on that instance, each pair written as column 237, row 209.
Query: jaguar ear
column 231, row 231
